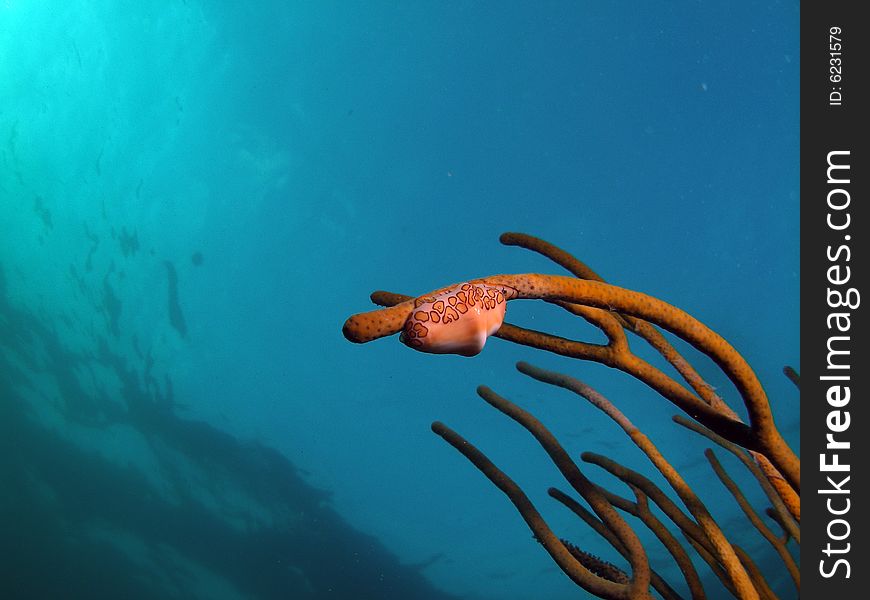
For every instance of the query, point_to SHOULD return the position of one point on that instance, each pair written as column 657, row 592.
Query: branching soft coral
column 459, row 318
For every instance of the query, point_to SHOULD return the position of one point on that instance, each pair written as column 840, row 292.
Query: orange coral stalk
column 723, row 550
column 579, row 573
column 365, row 327
column 753, row 517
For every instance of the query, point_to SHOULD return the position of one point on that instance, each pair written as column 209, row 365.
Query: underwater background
column 194, row 195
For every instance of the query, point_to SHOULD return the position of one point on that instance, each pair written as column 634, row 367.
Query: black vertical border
column 828, row 126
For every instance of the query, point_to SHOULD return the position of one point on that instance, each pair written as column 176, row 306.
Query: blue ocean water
column 195, row 195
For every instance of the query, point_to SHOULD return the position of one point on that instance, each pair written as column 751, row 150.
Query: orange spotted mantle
column 456, row 320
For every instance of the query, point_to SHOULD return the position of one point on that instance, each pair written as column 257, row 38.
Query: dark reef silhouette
column 210, row 516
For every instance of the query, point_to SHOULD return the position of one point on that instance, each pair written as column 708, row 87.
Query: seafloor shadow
column 113, row 495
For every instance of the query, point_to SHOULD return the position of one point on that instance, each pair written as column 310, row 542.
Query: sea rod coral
column 459, row 318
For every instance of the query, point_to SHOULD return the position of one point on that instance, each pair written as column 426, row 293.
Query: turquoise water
column 195, row 195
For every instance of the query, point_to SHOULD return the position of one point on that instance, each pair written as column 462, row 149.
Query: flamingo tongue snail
column 455, row 320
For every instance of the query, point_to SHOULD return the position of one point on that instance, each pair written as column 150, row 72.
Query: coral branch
column 784, row 507
column 723, row 550
column 660, row 585
column 792, row 375
column 694, row 534
column 755, row 519
column 640, row 509
column 572, row 474
column 582, row 576
column 640, row 327
column 756, row 575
